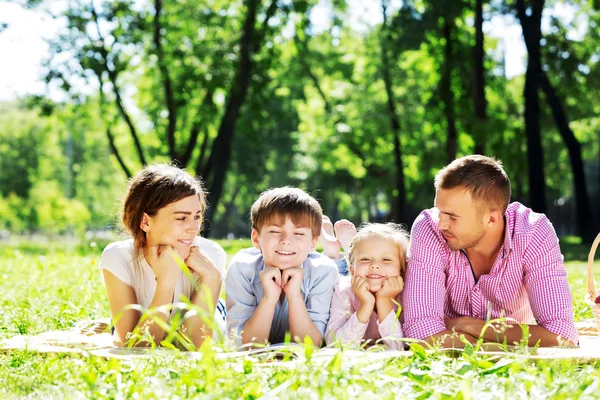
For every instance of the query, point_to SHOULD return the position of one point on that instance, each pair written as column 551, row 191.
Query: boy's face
column 284, row 245
column 375, row 258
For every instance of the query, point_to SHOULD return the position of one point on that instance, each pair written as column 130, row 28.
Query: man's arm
column 424, row 291
column 498, row 332
column 448, row 339
column 545, row 280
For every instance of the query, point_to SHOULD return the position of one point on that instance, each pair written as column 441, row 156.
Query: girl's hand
column 201, row 264
column 392, row 287
column 360, row 287
column 162, row 259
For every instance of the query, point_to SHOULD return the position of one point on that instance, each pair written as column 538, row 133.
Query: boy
column 281, row 284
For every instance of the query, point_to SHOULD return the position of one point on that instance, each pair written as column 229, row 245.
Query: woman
column 163, row 212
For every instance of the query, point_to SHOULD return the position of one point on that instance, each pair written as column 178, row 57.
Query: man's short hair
column 274, row 205
column 483, row 176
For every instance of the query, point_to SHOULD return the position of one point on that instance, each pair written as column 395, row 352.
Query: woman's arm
column 121, row 295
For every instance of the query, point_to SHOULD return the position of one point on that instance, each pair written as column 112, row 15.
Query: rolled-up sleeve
column 318, row 300
column 241, row 301
column 545, row 280
column 424, row 289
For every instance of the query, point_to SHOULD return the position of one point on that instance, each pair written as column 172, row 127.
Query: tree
column 531, row 19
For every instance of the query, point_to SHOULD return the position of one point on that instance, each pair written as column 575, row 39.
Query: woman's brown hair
column 153, row 188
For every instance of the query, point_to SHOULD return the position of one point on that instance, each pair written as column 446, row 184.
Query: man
column 475, row 257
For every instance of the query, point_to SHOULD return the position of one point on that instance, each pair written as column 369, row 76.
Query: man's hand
column 466, row 324
column 270, row 277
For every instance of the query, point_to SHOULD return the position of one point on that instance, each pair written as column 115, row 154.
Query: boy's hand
column 270, row 277
column 392, row 287
column 360, row 287
column 201, row 264
column 291, row 280
column 162, row 260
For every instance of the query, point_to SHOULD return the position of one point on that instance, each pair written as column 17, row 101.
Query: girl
column 163, row 212
column 365, row 309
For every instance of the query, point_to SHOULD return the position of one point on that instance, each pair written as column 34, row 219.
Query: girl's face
column 375, row 258
column 175, row 225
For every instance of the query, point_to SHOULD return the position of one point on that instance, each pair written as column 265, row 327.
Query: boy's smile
column 284, row 244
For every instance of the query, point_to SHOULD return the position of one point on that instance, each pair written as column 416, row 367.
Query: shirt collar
column 508, row 228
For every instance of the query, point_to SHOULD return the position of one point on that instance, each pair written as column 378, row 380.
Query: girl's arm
column 391, row 331
column 343, row 324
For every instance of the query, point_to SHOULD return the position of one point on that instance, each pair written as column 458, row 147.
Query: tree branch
column 113, row 79
column 171, row 108
column 115, row 151
column 196, row 128
column 110, row 136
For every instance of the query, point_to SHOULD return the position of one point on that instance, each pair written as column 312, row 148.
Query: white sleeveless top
column 118, row 259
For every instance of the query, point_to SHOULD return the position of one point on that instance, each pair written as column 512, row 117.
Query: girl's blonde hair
column 390, row 230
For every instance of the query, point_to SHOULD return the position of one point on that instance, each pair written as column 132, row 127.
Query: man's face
column 283, row 244
column 462, row 220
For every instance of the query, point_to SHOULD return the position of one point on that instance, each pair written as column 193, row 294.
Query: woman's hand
column 201, row 264
column 162, row 259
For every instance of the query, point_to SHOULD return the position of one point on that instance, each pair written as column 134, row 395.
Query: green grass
column 52, row 287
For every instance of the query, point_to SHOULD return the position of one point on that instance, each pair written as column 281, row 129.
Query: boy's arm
column 310, row 318
column 241, row 301
column 243, row 313
column 258, row 327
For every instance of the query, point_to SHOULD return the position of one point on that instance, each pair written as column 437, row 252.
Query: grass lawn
column 49, row 287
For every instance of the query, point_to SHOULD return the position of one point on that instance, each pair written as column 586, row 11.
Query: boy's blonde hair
column 392, row 231
column 279, row 203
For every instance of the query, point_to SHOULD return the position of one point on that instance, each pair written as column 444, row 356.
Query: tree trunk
column 479, row 101
column 218, row 162
column 447, row 94
column 399, row 208
column 531, row 26
column 582, row 200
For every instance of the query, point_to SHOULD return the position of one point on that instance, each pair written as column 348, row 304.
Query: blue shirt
column 245, row 291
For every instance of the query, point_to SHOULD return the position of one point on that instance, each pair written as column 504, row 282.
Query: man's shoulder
column 523, row 221
column 426, row 221
column 425, row 234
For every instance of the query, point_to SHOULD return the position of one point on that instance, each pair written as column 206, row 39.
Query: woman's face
column 175, row 225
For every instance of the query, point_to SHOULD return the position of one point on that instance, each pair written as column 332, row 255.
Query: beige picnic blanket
column 91, row 338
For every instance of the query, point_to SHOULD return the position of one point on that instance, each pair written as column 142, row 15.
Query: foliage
column 54, row 290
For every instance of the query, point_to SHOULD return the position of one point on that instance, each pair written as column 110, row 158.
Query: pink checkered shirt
column 527, row 282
